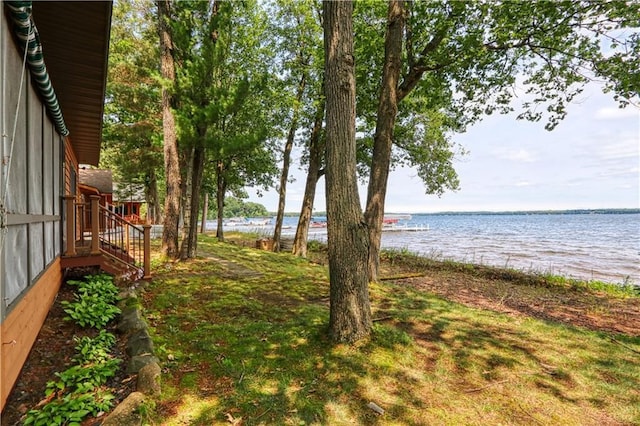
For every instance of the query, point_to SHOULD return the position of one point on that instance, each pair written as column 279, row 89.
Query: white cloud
column 521, row 155
column 612, row 113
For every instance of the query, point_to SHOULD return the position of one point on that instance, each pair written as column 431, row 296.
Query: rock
column 149, row 379
column 375, row 407
column 139, row 343
column 127, row 413
column 131, row 321
column 126, row 294
column 137, row 362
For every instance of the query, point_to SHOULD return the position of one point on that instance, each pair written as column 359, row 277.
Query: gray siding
column 32, row 168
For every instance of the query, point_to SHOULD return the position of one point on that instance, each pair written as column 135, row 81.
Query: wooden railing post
column 70, row 212
column 127, row 243
column 147, row 251
column 95, row 224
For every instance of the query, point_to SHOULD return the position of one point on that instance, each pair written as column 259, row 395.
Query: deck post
column 95, row 224
column 70, row 212
column 125, row 229
column 147, row 251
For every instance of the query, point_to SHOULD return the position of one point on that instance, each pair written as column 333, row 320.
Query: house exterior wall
column 31, row 185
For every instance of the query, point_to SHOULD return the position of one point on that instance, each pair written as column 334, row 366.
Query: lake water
column 602, row 247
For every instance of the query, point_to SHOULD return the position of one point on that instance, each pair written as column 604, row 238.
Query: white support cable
column 5, row 189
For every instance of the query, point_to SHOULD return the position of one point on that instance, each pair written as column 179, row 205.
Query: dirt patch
column 595, row 311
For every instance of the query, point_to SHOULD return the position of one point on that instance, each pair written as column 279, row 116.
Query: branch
column 417, row 69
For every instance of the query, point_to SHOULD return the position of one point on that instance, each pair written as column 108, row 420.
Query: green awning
column 29, row 40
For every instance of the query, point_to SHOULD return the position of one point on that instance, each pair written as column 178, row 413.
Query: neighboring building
column 128, row 202
column 41, row 148
column 96, row 182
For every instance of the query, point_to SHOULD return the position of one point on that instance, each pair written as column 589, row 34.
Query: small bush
column 94, row 301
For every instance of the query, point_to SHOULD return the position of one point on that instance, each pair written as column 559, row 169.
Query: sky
column 591, row 160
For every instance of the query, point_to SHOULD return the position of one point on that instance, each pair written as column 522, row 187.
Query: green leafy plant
column 101, row 285
column 94, row 301
column 94, row 349
column 83, row 377
column 79, row 390
column 70, row 409
column 90, row 311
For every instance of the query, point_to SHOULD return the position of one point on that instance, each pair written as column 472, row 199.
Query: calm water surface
column 587, row 246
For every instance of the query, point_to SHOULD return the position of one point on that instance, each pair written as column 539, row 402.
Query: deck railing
column 107, row 233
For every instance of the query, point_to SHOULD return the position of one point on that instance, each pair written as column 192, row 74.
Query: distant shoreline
column 507, row 212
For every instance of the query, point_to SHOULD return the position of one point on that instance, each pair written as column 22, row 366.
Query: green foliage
column 79, row 391
column 132, row 132
column 71, row 409
column 90, row 311
column 96, row 349
column 101, row 285
column 462, row 61
column 226, row 92
column 84, row 378
column 93, row 304
column 235, row 207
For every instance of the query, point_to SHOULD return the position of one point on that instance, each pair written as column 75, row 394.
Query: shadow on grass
column 237, row 348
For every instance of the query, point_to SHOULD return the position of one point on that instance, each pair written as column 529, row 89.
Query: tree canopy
column 239, row 76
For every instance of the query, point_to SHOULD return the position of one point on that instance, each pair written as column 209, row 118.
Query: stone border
column 142, row 362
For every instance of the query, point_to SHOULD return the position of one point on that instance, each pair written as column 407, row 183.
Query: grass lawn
column 241, row 334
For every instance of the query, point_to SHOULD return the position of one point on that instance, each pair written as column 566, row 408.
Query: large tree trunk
column 286, row 160
column 350, row 311
column 221, row 188
column 316, row 151
column 190, row 243
column 171, row 162
column 383, row 138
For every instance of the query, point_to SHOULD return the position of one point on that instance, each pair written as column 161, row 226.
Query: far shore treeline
column 512, row 212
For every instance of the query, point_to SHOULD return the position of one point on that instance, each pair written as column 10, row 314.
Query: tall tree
column 386, row 116
column 465, row 59
column 197, row 27
column 314, row 172
column 171, row 156
column 224, row 120
column 132, row 132
column 350, row 311
column 298, row 41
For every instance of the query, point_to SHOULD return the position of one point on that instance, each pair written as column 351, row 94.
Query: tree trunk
column 190, row 243
column 350, row 311
column 316, row 149
column 286, row 160
column 186, row 167
column 171, row 163
column 153, row 204
column 383, row 138
column 221, row 188
column 205, row 213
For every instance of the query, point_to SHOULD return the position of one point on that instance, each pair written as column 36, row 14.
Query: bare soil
column 54, row 349
column 591, row 310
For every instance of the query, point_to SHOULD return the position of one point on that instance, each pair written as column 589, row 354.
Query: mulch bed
column 53, row 352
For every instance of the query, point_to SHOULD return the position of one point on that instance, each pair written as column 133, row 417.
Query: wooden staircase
column 96, row 236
